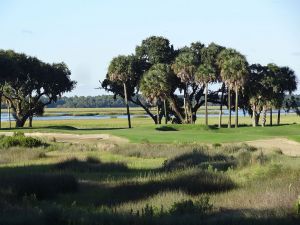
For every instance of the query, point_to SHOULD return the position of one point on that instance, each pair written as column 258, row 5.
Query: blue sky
column 87, row 34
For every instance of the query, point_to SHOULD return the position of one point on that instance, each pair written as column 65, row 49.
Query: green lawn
column 145, row 131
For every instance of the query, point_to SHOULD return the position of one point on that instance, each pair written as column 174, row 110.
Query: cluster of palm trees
column 160, row 72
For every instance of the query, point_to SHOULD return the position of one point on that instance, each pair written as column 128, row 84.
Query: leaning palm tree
column 185, row 66
column 234, row 71
column 204, row 75
column 122, row 69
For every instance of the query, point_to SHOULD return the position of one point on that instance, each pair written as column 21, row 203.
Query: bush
column 244, row 158
column 201, row 206
column 19, row 139
column 40, row 185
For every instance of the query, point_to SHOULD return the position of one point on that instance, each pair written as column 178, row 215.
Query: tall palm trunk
column 229, row 108
column 165, row 109
column 157, row 113
column 221, row 106
column 271, row 117
column 127, row 105
column 278, row 117
column 0, row 110
column 185, row 107
column 206, row 110
column 254, row 116
column 264, row 118
column 236, row 106
column 9, row 120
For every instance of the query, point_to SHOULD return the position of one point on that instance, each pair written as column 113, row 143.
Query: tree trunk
column 176, row 110
column 9, row 120
column 20, row 122
column 157, row 115
column 206, row 110
column 0, row 110
column 254, row 116
column 165, row 109
column 221, row 106
column 264, row 118
column 185, row 106
column 127, row 105
column 236, row 106
column 271, row 117
column 229, row 108
column 278, row 117
column 30, row 121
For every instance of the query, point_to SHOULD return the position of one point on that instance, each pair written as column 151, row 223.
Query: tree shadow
column 124, row 185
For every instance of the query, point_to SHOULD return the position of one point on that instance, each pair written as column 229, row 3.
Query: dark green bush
column 18, row 139
column 201, row 206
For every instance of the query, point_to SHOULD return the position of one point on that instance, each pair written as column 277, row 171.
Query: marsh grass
column 129, row 184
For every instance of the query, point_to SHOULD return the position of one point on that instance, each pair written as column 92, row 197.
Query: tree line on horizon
column 159, row 72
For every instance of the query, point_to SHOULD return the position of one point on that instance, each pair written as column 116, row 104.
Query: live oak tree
column 26, row 80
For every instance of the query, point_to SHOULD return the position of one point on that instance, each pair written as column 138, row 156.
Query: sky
column 87, row 34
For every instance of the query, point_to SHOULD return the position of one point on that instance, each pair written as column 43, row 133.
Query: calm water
column 4, row 116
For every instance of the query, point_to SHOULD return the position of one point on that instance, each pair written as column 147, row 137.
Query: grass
column 144, row 131
column 166, row 174
column 148, row 184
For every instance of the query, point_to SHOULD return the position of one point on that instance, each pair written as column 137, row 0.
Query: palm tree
column 209, row 55
column 185, row 66
column 204, row 75
column 122, row 69
column 284, row 82
column 156, row 85
column 234, row 71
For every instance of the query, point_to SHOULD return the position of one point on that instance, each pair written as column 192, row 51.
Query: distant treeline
column 100, row 101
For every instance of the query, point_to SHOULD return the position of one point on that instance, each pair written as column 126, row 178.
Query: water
column 60, row 116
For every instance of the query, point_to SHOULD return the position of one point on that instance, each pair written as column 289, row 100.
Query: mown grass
column 144, row 131
column 183, row 183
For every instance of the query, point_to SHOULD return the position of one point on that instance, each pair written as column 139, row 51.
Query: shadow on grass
column 95, row 192
column 65, row 128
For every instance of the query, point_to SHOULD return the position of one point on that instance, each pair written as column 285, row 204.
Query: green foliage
column 18, row 139
column 201, row 206
column 157, row 83
column 26, row 80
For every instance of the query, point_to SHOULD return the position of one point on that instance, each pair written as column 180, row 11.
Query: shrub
column 216, row 145
column 244, row 158
column 201, row 206
column 18, row 139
